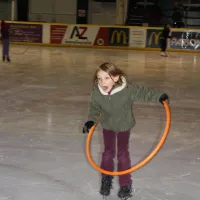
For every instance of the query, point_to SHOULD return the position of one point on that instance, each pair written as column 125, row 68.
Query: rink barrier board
column 114, row 37
column 103, row 47
column 106, row 48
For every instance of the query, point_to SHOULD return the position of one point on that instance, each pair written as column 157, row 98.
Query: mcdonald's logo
column 154, row 38
column 119, row 37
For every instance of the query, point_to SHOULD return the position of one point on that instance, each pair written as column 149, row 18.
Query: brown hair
column 112, row 70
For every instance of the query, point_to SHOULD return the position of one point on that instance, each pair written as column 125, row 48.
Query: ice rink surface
column 44, row 96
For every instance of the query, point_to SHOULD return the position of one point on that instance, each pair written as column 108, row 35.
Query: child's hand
column 87, row 126
column 163, row 97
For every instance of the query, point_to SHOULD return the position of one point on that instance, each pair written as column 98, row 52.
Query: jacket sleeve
column 144, row 94
column 94, row 109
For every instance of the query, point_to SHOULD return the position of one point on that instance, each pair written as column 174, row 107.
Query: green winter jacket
column 116, row 108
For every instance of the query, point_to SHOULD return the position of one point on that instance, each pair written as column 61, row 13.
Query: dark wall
column 22, row 10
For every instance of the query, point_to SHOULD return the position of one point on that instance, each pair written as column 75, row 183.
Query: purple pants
column 5, row 45
column 123, row 156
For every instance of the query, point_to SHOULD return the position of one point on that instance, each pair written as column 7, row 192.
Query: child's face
column 106, row 81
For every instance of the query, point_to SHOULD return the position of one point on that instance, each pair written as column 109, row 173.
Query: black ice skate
column 3, row 58
column 106, row 185
column 8, row 59
column 125, row 192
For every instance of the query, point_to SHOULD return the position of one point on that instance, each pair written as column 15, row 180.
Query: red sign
column 57, row 33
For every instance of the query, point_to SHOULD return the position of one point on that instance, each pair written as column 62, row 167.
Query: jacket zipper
column 110, row 104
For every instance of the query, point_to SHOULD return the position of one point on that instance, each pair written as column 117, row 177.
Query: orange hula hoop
column 143, row 162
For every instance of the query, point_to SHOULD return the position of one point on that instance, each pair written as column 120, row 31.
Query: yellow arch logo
column 154, row 38
column 119, row 36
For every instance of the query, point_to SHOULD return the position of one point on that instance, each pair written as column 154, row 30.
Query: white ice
column 44, row 96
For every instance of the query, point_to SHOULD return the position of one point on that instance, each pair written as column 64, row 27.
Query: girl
column 112, row 96
column 5, row 40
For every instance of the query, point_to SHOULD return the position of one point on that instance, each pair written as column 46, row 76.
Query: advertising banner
column 185, row 40
column 31, row 33
column 137, row 37
column 57, row 33
column 153, row 38
column 101, row 37
column 79, row 35
column 118, row 36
